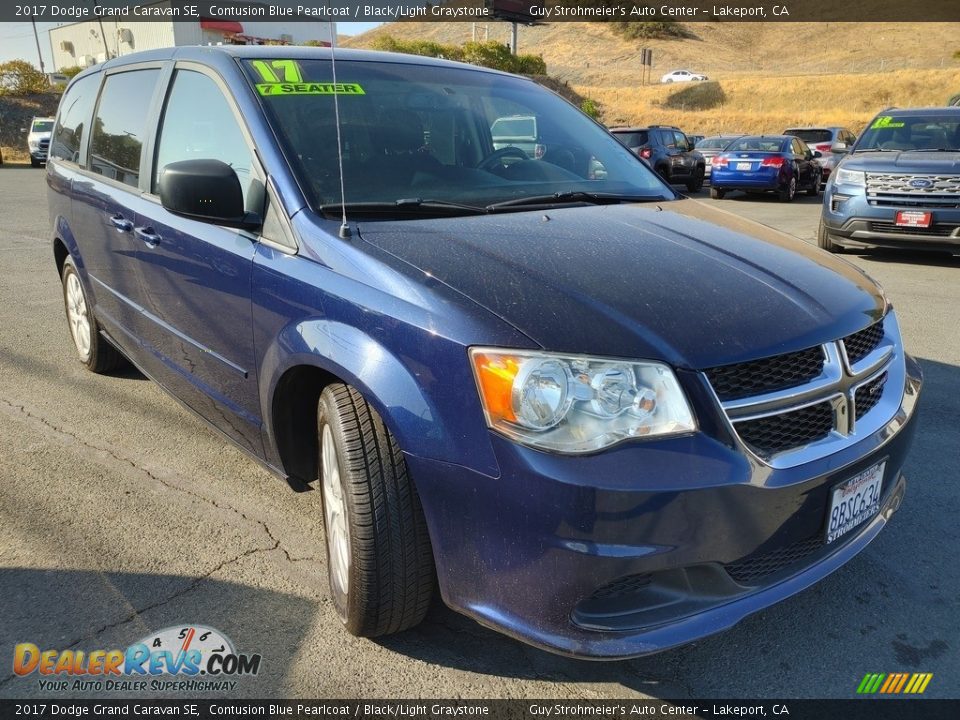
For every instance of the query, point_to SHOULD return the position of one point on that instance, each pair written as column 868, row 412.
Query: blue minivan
column 596, row 416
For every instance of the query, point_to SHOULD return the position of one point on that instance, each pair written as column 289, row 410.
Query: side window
column 798, row 148
column 198, row 124
column 681, row 140
column 120, row 127
column 666, row 138
column 73, row 120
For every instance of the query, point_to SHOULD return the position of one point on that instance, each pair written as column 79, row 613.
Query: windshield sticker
column 273, row 71
column 885, row 121
column 288, row 88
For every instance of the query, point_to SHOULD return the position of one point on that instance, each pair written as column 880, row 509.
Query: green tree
column 71, row 71
column 18, row 77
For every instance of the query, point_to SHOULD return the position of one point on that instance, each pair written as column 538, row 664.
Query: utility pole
column 103, row 34
column 513, row 38
column 37, row 38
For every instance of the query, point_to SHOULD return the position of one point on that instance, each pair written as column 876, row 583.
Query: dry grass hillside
column 768, row 74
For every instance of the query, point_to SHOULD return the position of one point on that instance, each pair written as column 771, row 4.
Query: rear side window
column 633, row 139
column 73, row 122
column 198, row 124
column 120, row 127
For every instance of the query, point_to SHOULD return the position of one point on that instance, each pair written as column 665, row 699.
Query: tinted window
column 41, row 126
column 74, row 119
column 713, row 143
column 198, row 123
column 632, row 139
column 514, row 127
column 120, row 126
column 812, row 136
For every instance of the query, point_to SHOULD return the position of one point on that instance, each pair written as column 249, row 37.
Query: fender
column 448, row 430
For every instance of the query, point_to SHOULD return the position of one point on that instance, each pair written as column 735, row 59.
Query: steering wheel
column 490, row 162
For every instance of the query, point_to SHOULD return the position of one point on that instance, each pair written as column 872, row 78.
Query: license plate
column 744, row 166
column 855, row 501
column 914, row 218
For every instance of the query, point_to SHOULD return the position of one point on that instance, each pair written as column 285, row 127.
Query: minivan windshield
column 930, row 133
column 431, row 137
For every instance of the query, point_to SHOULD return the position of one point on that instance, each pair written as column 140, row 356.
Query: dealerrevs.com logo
column 181, row 658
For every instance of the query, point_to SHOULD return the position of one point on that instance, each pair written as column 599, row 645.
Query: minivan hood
column 679, row 282
column 907, row 161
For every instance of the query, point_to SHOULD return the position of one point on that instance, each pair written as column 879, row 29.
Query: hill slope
column 771, row 74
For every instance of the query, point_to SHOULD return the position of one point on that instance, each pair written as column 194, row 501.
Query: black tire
column 390, row 573
column 34, row 162
column 814, row 189
column 696, row 184
column 101, row 356
column 717, row 193
column 789, row 191
column 663, row 172
column 824, row 241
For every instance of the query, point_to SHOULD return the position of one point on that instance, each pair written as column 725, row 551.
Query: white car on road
column 681, row 76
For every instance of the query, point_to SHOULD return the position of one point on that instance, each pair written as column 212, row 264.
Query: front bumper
column 535, row 552
column 852, row 221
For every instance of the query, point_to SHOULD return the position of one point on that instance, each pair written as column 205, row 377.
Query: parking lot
column 122, row 514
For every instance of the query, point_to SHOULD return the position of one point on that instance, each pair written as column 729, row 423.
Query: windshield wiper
column 574, row 196
column 404, row 205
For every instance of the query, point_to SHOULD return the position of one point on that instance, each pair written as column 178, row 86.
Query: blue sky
column 16, row 39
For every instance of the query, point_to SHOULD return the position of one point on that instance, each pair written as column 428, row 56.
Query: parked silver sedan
column 713, row 145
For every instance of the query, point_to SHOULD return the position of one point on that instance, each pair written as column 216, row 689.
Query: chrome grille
column 868, row 395
column 862, row 343
column 785, row 431
column 731, row 382
column 896, row 183
column 913, row 190
column 857, row 387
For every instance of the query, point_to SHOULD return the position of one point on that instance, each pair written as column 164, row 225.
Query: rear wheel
column 717, row 193
column 788, row 191
column 95, row 352
column 378, row 551
column 824, row 241
column 696, row 183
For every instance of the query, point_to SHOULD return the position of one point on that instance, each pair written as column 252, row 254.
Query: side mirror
column 206, row 190
column 839, row 147
column 817, row 154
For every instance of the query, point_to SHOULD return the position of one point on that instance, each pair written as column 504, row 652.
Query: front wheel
column 379, row 557
column 824, row 241
column 717, row 193
column 95, row 352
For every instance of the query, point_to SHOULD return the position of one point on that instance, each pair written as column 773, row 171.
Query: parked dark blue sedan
column 595, row 416
column 766, row 163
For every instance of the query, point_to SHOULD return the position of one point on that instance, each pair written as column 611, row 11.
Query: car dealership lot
column 122, row 514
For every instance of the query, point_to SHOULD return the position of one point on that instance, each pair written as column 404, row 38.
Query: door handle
column 121, row 223
column 149, row 236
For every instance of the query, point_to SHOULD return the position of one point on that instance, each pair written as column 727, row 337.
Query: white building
column 94, row 41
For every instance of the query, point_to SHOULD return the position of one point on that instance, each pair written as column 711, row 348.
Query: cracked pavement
column 122, row 514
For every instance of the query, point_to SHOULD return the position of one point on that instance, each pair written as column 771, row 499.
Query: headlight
column 842, row 176
column 575, row 404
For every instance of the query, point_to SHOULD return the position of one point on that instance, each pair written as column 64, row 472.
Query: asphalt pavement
column 121, row 514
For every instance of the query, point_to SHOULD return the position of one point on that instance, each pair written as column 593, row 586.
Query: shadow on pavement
column 90, row 610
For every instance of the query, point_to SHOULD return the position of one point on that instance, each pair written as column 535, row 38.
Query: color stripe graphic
column 894, row 683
